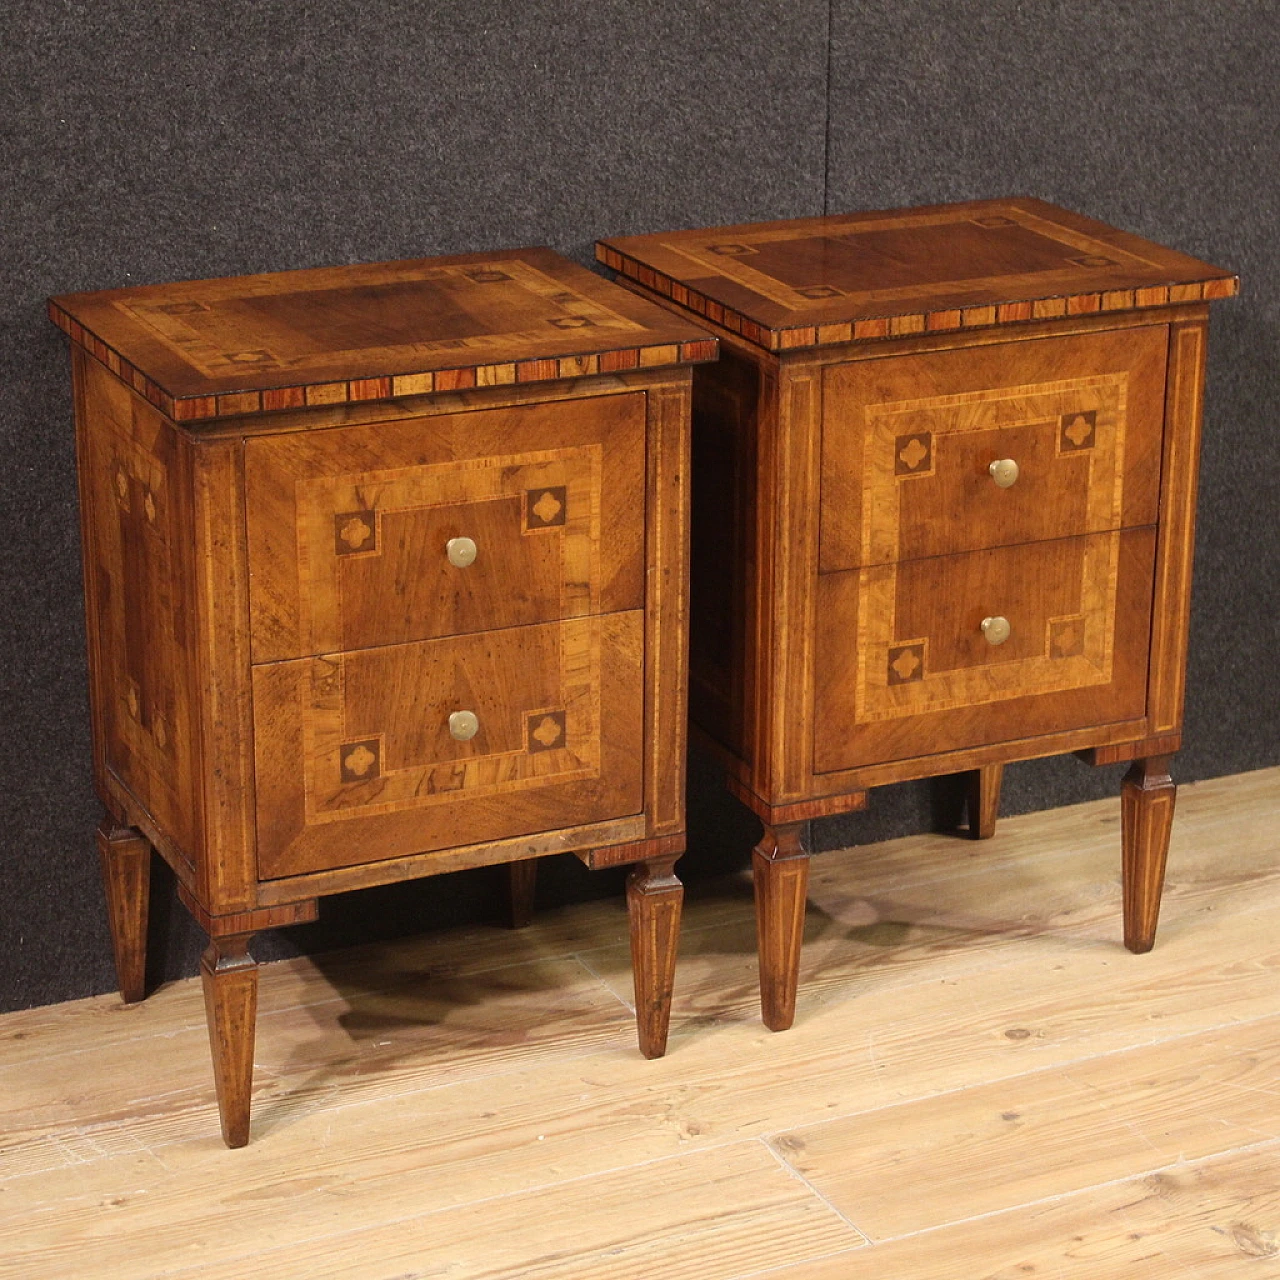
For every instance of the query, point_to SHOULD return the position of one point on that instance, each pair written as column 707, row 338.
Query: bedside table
column 385, row 574
column 944, row 481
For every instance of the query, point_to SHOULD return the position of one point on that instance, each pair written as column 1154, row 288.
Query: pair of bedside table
column 386, row 573
column 385, row 577
column 944, row 504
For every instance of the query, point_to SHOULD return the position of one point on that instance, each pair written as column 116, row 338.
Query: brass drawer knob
column 464, row 725
column 1004, row 471
column 461, row 552
column 995, row 629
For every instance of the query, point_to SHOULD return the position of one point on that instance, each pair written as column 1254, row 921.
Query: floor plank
column 473, row 1103
column 702, row 1216
column 1212, row 1219
column 899, row 1170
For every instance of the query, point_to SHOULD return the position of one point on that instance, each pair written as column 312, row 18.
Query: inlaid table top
column 210, row 348
column 815, row 281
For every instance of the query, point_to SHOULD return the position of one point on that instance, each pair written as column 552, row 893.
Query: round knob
column 464, row 725
column 461, row 552
column 995, row 629
column 1004, row 472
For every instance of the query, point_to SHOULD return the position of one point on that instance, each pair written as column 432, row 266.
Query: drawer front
column 356, row 760
column 903, row 667
column 908, row 443
column 445, row 525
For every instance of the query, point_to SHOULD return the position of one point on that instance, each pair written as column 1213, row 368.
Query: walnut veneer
column 385, row 576
column 944, row 481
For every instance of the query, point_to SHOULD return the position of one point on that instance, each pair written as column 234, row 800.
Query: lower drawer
column 356, row 759
column 904, row 669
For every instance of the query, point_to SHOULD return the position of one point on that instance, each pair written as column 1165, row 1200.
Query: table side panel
column 666, row 643
column 1171, row 615
column 227, row 871
column 142, row 640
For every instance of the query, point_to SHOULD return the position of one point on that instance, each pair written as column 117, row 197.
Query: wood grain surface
column 204, row 349
column 978, row 1071
column 349, row 530
column 908, row 444
column 348, row 775
column 924, row 674
column 810, row 282
column 141, row 601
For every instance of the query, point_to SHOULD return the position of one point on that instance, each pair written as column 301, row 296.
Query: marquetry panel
column 810, row 282
column 902, row 663
column 141, row 617
column 349, row 531
column 906, row 474
column 357, row 759
column 205, row 349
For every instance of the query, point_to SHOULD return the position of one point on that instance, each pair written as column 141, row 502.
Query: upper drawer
column 908, row 443
column 394, row 532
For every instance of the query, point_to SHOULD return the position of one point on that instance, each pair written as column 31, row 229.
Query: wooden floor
column 981, row 1084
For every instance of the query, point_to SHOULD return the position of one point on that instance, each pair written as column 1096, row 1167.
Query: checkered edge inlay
column 194, row 408
column 904, row 325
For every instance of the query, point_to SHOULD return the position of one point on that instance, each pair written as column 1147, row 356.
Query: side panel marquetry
column 405, row 748
column 138, row 510
column 903, row 663
column 909, row 441
column 445, row 525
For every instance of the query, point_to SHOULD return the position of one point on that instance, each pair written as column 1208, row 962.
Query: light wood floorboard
column 981, row 1083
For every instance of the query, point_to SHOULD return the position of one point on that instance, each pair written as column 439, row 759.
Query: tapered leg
column 1146, row 803
column 654, row 899
column 522, row 884
column 984, row 800
column 230, row 978
column 126, row 878
column 781, row 870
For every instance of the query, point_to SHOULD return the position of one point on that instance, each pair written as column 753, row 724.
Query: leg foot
column 781, row 870
column 126, row 878
column 654, row 899
column 983, row 795
column 230, row 978
column 522, row 884
column 1146, row 803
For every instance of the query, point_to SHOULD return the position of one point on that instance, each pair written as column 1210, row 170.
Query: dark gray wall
column 143, row 142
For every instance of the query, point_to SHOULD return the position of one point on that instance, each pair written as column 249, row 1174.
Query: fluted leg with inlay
column 126, row 879
column 230, row 978
column 1146, row 800
column 654, row 900
column 780, row 866
column 983, row 800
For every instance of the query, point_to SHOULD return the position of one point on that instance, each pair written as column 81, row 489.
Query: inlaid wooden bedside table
column 944, row 494
column 385, row 571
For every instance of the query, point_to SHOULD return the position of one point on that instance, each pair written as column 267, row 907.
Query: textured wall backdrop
column 141, row 142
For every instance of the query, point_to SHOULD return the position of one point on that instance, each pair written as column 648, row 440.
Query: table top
column 204, row 349
column 814, row 281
